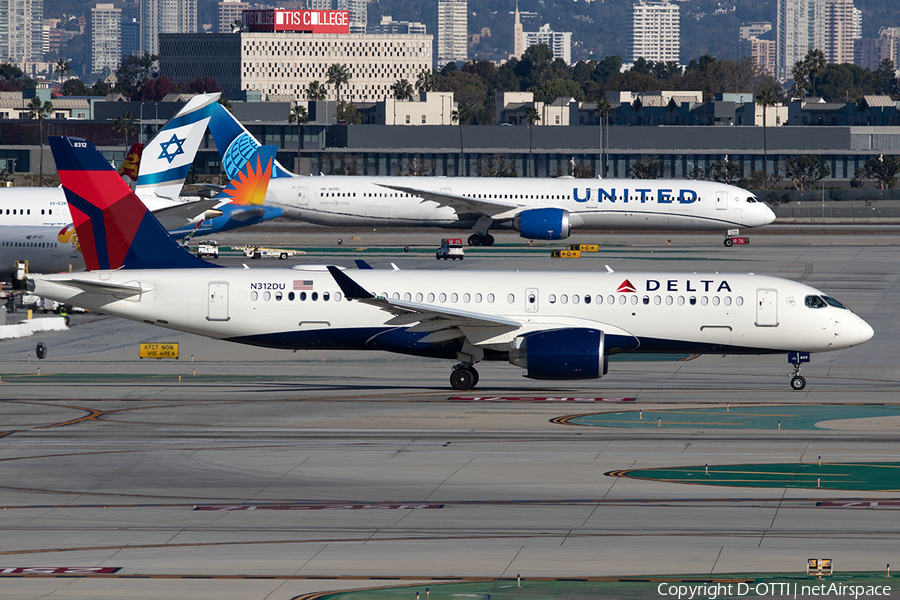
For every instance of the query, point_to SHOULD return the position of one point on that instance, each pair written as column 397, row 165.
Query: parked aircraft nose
column 865, row 332
column 768, row 215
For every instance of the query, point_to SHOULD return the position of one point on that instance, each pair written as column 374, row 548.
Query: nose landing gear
column 463, row 377
column 798, row 382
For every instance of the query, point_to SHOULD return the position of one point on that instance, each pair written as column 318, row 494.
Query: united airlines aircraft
column 554, row 325
column 541, row 209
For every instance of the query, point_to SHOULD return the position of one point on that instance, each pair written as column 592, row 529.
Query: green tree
column 816, row 61
column 315, row 91
column 766, row 99
column 299, row 116
column 38, row 110
column 806, row 170
column 881, row 169
column 550, row 89
column 724, row 171
column 402, row 90
column 338, row 75
column 532, row 116
column 133, row 73
column 646, row 167
column 62, row 68
column 461, row 114
column 886, row 78
column 126, row 125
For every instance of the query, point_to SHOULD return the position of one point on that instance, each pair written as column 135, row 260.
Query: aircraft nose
column 865, row 332
column 768, row 216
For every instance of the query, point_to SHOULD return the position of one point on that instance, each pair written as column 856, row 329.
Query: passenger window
column 715, row 300
column 314, row 296
column 599, row 299
column 634, row 299
column 254, row 295
column 704, row 300
column 575, row 299
column 478, row 298
column 727, row 300
column 611, row 299
column 511, row 298
column 669, row 300
column 587, row 299
column 407, row 296
column 739, row 300
column 680, row 300
column 267, row 296
column 325, row 296
column 431, row 296
column 657, row 300
column 443, row 297
column 337, row 296
column 395, row 296
column 693, row 300
column 551, row 298
column 622, row 299
column 454, row 297
column 490, row 298
column 467, row 297
column 564, row 299
column 646, row 300
column 278, row 296
column 302, row 296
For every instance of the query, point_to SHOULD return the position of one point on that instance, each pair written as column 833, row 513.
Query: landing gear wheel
column 474, row 240
column 798, row 382
column 283, row 256
column 729, row 242
column 463, row 379
column 487, row 240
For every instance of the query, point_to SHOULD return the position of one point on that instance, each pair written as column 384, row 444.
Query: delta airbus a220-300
column 556, row 325
column 539, row 209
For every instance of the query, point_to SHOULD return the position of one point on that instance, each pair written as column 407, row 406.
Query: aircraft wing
column 101, row 287
column 440, row 322
column 463, row 205
column 174, row 217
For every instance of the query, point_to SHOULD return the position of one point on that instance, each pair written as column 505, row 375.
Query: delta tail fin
column 115, row 229
column 236, row 144
column 168, row 157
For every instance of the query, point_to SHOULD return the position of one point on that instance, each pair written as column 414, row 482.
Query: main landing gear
column 479, row 239
column 463, row 377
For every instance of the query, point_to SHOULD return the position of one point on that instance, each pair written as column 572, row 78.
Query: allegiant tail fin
column 115, row 229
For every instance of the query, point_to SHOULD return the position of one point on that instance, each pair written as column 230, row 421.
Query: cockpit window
column 751, row 200
column 834, row 302
column 815, row 302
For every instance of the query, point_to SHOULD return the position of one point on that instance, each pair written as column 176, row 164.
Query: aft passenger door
column 766, row 308
column 531, row 300
column 302, row 195
column 217, row 297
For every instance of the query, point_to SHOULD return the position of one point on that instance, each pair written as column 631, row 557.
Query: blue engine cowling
column 574, row 353
column 542, row 224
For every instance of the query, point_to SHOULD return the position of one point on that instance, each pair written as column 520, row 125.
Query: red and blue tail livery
column 114, row 227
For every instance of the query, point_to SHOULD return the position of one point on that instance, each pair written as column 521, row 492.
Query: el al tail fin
column 114, row 227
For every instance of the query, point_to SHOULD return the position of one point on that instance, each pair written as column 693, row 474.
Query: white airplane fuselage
column 642, row 312
column 590, row 203
column 47, row 249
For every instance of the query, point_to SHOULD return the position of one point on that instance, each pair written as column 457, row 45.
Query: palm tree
column 38, row 110
column 461, row 115
column 316, row 91
column 402, row 89
column 301, row 117
column 603, row 110
column 125, row 124
column 338, row 75
column 62, row 68
column 766, row 98
column 532, row 116
column 426, row 82
column 816, row 61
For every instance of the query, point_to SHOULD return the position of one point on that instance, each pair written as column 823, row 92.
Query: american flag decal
column 303, row 284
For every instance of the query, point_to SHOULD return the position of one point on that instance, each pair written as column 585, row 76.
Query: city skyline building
column 518, row 34
column 800, row 27
column 165, row 16
column 229, row 12
column 21, row 30
column 655, row 31
column 840, row 31
column 560, row 42
column 105, row 37
column 452, row 32
column 389, row 26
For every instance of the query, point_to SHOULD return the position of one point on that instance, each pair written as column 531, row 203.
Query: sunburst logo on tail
column 252, row 181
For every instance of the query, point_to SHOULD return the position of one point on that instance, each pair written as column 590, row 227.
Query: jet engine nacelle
column 573, row 353
column 542, row 224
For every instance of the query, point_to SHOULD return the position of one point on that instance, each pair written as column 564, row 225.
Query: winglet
column 351, row 289
column 361, row 264
column 114, row 227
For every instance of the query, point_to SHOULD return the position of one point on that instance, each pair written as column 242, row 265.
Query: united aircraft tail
column 115, row 229
column 168, row 157
column 236, row 144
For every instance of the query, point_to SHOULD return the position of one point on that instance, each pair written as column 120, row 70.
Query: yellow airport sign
column 585, row 247
column 565, row 254
column 160, row 350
